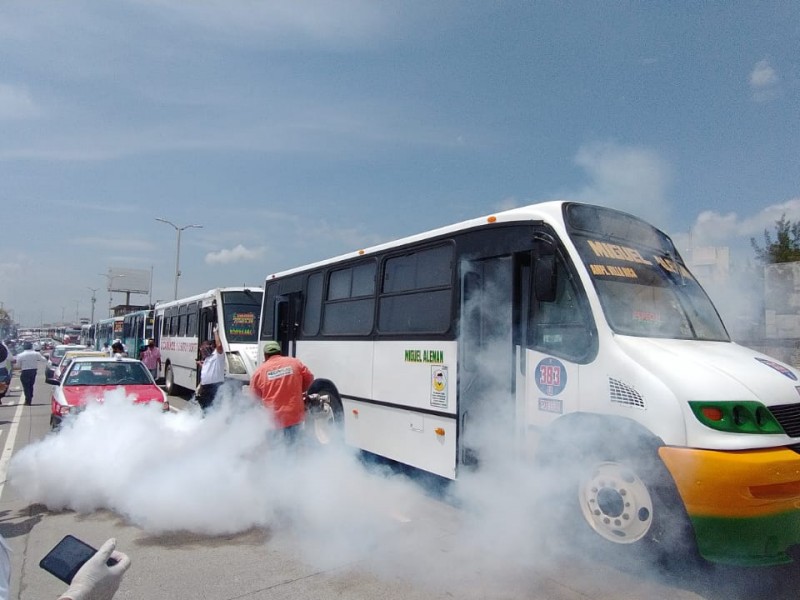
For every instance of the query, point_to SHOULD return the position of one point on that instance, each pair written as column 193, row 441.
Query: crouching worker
column 280, row 382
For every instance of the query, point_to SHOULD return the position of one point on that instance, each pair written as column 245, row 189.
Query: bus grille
column 624, row 394
column 788, row 415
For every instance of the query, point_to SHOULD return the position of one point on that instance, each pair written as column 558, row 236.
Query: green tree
column 785, row 247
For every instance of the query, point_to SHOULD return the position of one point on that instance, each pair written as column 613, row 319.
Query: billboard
column 135, row 281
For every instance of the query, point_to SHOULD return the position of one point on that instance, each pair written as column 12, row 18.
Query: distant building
column 735, row 289
column 782, row 300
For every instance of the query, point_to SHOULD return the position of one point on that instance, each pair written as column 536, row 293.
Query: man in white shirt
column 27, row 362
column 212, row 371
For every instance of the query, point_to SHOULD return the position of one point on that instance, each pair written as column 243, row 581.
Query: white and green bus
column 181, row 326
column 572, row 336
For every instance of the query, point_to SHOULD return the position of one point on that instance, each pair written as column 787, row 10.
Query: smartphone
column 67, row 557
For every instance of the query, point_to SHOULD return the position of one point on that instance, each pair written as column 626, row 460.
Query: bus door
column 206, row 321
column 288, row 309
column 486, row 359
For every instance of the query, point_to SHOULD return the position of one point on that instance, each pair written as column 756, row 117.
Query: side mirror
column 544, row 270
column 52, row 381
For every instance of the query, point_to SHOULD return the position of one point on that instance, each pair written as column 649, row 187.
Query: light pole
column 94, row 299
column 178, row 251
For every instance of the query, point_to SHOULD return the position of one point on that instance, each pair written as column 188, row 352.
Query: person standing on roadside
column 212, row 371
column 27, row 362
column 5, row 370
column 280, row 382
column 151, row 357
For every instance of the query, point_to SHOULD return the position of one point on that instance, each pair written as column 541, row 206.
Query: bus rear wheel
column 169, row 380
column 325, row 423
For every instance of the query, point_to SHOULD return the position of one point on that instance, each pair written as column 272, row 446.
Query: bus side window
column 564, row 327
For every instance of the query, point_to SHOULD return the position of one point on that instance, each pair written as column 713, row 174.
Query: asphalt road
column 418, row 551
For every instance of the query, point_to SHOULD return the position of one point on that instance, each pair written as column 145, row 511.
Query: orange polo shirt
column 280, row 382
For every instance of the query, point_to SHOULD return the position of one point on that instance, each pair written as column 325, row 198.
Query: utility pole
column 94, row 299
column 178, row 251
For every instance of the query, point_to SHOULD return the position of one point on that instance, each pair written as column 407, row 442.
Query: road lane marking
column 8, row 447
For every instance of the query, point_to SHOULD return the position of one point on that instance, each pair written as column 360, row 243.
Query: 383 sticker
column 551, row 376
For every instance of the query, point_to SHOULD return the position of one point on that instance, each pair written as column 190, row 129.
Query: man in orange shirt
column 280, row 382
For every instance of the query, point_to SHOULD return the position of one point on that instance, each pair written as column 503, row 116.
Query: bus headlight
column 236, row 365
column 742, row 416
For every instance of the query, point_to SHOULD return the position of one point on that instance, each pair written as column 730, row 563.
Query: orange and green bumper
column 744, row 505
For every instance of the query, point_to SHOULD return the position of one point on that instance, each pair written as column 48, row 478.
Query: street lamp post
column 178, row 251
column 94, row 299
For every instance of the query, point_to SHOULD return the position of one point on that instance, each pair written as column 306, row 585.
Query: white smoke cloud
column 629, row 178
column 764, row 81
column 236, row 254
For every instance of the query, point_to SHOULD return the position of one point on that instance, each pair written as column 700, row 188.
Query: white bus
column 182, row 325
column 106, row 331
column 137, row 328
column 574, row 337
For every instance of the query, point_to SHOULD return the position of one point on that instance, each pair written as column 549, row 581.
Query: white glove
column 95, row 580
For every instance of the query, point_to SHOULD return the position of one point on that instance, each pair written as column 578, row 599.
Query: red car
column 88, row 378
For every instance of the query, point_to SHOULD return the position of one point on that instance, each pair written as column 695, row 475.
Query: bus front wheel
column 614, row 496
column 169, row 380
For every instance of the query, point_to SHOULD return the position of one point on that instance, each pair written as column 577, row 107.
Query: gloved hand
column 95, row 580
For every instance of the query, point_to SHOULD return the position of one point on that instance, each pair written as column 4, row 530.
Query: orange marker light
column 439, row 431
column 360, row 252
column 355, row 412
column 712, row 414
column 491, row 219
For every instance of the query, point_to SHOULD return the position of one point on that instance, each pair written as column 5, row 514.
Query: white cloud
column 629, row 178
column 277, row 22
column 17, row 103
column 111, row 244
column 763, row 81
column 236, row 254
column 713, row 228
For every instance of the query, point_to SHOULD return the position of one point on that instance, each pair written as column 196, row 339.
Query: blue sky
column 292, row 131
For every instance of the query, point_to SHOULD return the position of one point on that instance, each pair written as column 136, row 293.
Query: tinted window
column 352, row 317
column 351, row 302
column 313, row 306
column 241, row 314
column 424, row 269
column 191, row 323
column 416, row 295
column 415, row 313
column 564, row 327
column 182, row 320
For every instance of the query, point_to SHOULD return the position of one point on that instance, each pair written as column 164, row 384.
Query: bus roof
column 549, row 211
column 209, row 293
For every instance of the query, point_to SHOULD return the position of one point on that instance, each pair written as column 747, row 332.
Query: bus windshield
column 240, row 312
column 643, row 285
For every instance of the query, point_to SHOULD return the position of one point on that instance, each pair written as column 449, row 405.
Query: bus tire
column 614, row 497
column 327, row 426
column 169, row 380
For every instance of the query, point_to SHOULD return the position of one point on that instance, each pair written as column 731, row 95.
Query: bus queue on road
column 566, row 335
